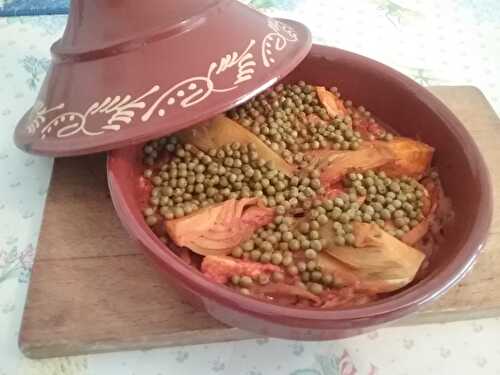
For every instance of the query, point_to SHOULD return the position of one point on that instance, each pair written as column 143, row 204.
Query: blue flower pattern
column 36, row 67
column 32, row 7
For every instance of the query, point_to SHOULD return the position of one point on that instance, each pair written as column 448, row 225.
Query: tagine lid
column 124, row 72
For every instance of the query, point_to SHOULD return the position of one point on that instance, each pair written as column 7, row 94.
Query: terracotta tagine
column 125, row 72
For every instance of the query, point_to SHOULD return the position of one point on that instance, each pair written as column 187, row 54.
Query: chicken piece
column 411, row 158
column 379, row 262
column 333, row 105
column 221, row 130
column 221, row 268
column 219, row 228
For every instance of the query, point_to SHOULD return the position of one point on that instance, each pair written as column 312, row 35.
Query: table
column 450, row 42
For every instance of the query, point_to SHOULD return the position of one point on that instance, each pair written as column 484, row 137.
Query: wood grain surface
column 92, row 290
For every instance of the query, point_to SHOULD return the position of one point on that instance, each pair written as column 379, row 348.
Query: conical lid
column 126, row 71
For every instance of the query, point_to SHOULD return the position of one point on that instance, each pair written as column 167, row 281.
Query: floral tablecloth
column 434, row 42
column 33, row 7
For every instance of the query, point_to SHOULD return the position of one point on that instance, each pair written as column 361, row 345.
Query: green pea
column 245, row 291
column 340, row 241
column 348, row 228
column 398, row 214
column 337, row 225
column 316, row 276
column 399, row 222
column 339, row 202
column 255, row 255
column 377, row 206
column 314, row 235
column 283, row 227
column 391, row 195
column 344, row 218
column 350, row 239
column 411, row 197
column 276, row 258
column 292, row 270
column 305, row 276
column 235, row 279
column 412, row 214
column 237, row 252
column 287, row 236
column 327, row 279
column 151, row 220
column 368, row 210
column 245, row 281
column 322, row 219
column 315, row 288
column 265, row 257
column 314, row 213
column 336, row 212
column 310, row 254
column 402, row 197
column 397, row 203
column 148, row 211
column 367, row 218
column 156, row 180
column 283, row 246
column 178, row 212
column 385, row 214
column 248, row 245
column 280, row 210
column 407, row 207
column 314, row 224
column 274, row 238
column 312, row 265
column 305, row 243
column 301, row 266
column 287, row 259
column 328, row 205
column 304, row 227
column 266, row 246
column 319, row 208
column 399, row 233
column 316, row 245
column 315, row 183
column 391, row 208
column 294, row 245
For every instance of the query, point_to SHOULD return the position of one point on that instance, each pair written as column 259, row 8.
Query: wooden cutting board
column 92, row 290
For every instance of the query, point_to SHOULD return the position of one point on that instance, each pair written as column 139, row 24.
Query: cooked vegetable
column 296, row 197
column 380, row 261
column 334, row 106
column 218, row 229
